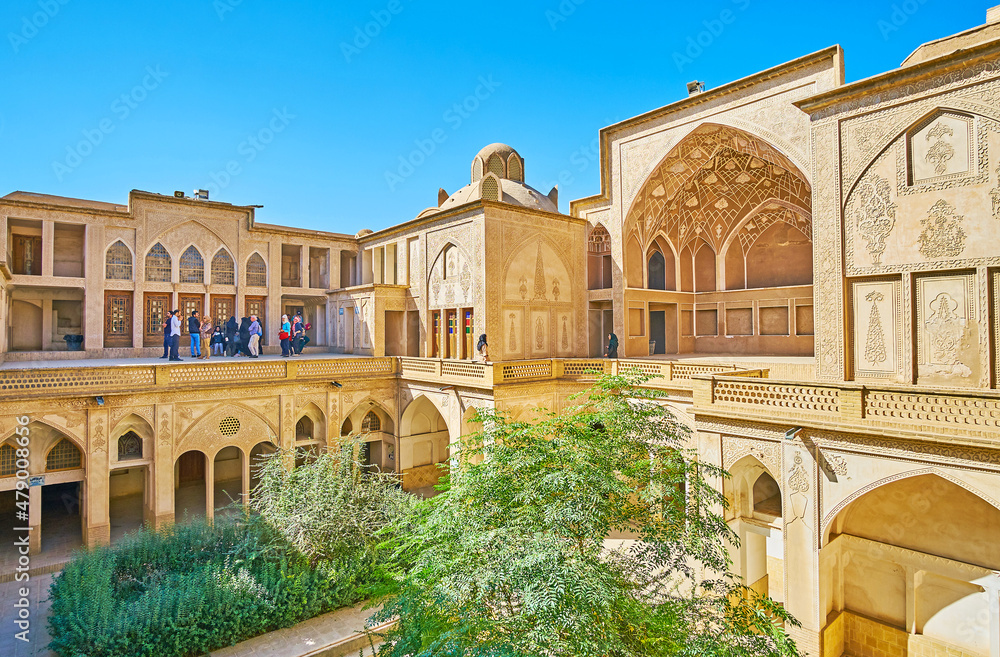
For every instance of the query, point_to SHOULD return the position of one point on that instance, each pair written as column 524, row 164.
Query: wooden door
column 191, row 467
column 452, row 335
column 28, row 255
column 117, row 319
column 470, row 344
column 258, row 306
column 436, row 335
column 223, row 307
column 156, row 311
column 188, row 305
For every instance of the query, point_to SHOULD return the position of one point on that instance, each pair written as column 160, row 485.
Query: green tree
column 520, row 555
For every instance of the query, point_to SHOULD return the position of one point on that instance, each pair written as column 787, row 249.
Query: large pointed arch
column 707, row 184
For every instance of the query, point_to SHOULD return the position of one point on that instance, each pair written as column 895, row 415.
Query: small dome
column 500, row 160
column 514, row 193
column 363, row 232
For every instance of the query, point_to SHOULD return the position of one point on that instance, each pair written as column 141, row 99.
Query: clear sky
column 341, row 116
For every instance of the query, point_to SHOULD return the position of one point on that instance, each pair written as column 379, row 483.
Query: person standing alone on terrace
column 206, row 338
column 175, row 335
column 194, row 331
column 255, row 331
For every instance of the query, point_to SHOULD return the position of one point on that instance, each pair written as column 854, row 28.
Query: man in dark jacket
column 194, row 331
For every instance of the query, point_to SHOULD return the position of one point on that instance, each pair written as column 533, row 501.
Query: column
column 245, row 479
column 47, row 322
column 93, row 303
column 800, row 474
column 97, row 530
column 48, row 247
column 163, row 466
column 35, row 519
column 286, row 428
column 210, row 488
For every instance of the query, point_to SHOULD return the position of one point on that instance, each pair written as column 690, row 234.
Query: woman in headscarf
column 232, row 329
column 245, row 336
column 612, row 346
column 284, row 333
column 206, row 336
column 483, row 349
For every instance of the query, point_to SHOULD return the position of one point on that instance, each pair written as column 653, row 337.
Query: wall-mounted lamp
column 336, row 385
column 792, row 433
column 100, row 401
column 446, row 388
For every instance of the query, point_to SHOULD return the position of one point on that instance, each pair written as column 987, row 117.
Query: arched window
column 64, row 456
column 256, row 271
column 223, row 271
column 158, row 265
column 495, row 165
column 657, row 271
column 514, row 169
column 304, row 429
column 372, row 422
column 192, row 266
column 490, row 187
column 599, row 259
column 118, row 262
column 7, row 460
column 129, row 446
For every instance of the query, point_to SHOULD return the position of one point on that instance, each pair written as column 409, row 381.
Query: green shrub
column 309, row 547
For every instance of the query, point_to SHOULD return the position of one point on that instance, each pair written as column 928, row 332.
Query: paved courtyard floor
column 38, row 598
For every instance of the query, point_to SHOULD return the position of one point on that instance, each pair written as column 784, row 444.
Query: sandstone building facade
column 810, row 269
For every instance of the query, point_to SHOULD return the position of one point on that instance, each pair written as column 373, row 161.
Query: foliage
column 198, row 587
column 519, row 556
column 330, row 505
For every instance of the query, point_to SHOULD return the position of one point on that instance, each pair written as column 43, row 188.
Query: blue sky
column 311, row 108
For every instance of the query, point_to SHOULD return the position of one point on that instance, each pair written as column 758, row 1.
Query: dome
column 498, row 176
column 498, row 159
column 514, row 193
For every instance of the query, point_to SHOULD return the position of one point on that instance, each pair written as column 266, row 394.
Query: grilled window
column 129, row 446
column 372, row 422
column 192, row 268
column 64, row 456
column 223, row 271
column 7, row 460
column 118, row 262
column 256, row 271
column 158, row 265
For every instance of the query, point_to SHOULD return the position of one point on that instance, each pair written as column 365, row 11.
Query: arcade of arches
column 807, row 269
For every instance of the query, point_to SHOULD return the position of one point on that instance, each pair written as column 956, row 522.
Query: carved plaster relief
column 942, row 148
column 877, row 330
column 947, row 331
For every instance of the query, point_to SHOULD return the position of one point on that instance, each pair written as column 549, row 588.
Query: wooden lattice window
column 600, row 241
column 256, row 271
column 372, row 422
column 192, row 266
column 129, row 446
column 118, row 262
column 7, row 460
column 64, row 456
column 223, row 270
column 158, row 265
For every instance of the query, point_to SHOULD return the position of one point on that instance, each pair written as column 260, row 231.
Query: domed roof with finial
column 497, row 175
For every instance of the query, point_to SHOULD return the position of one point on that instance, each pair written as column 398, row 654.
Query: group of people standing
column 232, row 339
column 293, row 335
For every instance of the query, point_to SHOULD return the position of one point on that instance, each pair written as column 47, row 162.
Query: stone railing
column 849, row 406
column 57, row 380
column 60, row 381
